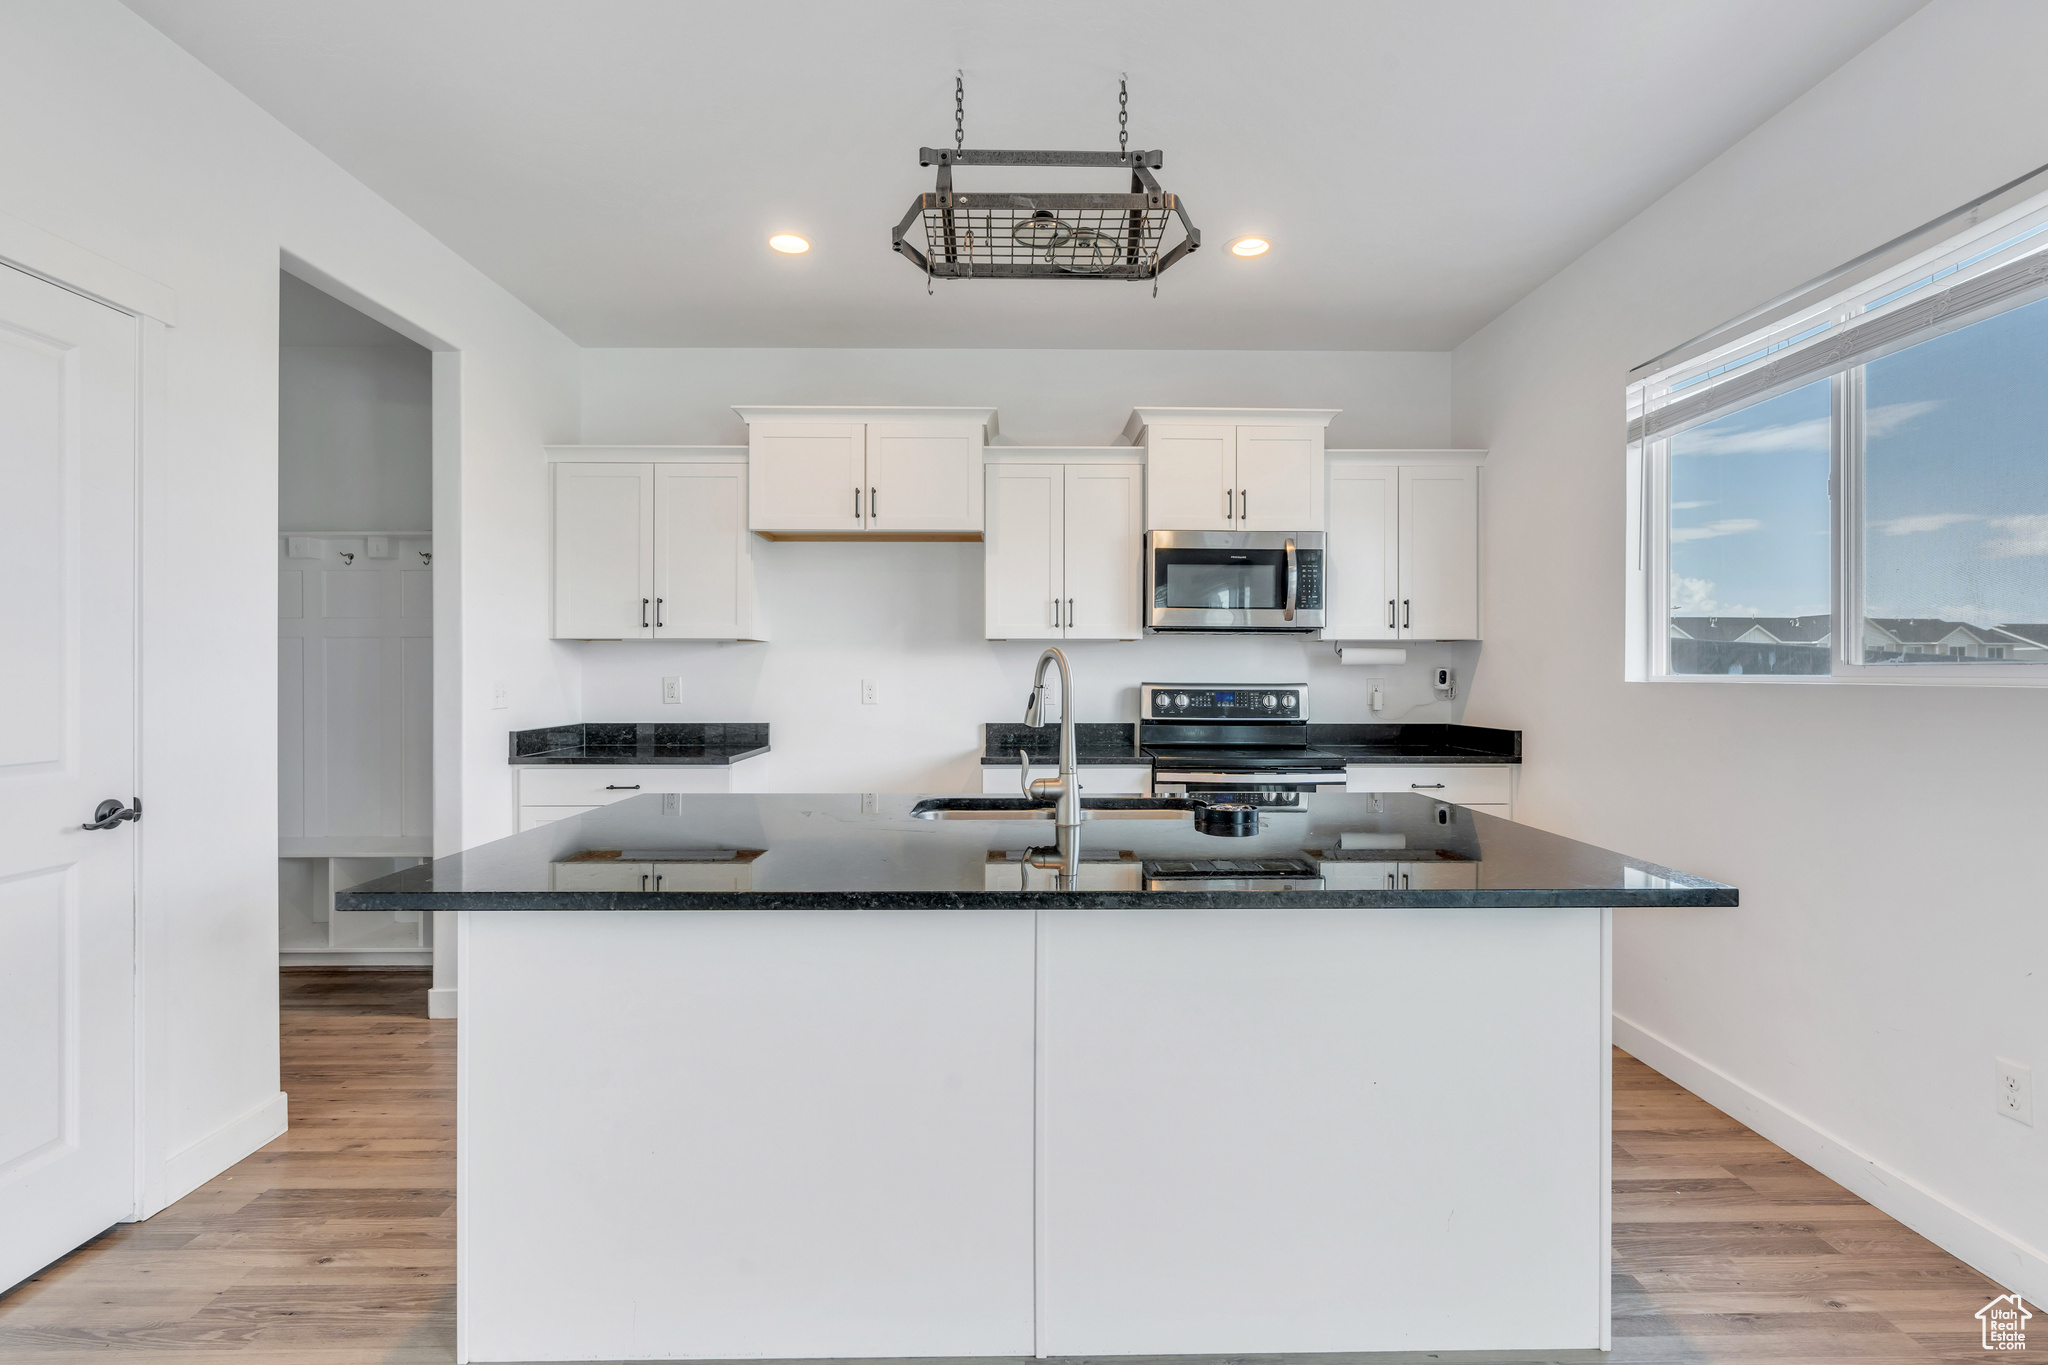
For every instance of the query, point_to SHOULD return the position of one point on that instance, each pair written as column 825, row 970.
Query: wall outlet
column 672, row 691
column 870, row 695
column 2015, row 1097
column 1376, row 694
column 869, row 804
column 501, row 696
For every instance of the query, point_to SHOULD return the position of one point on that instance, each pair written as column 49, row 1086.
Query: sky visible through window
column 1955, row 489
column 1749, row 510
column 1956, row 485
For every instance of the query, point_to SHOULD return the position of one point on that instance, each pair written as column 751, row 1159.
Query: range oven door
column 1234, row 580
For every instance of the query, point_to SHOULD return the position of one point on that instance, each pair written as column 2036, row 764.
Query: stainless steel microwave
column 1236, row 581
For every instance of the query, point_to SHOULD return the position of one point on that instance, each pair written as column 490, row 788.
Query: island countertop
column 850, row 852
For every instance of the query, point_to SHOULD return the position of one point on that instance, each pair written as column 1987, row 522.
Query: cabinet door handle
column 657, row 880
column 856, row 504
column 1228, row 514
column 1390, row 881
column 1390, row 613
column 1425, row 786
column 658, row 622
column 643, row 881
column 1404, row 881
column 874, row 505
column 1070, row 612
column 1405, row 614
column 643, row 613
column 635, row 787
column 1244, row 503
column 1055, row 611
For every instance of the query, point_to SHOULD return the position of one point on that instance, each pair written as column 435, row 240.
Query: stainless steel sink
column 1016, row 808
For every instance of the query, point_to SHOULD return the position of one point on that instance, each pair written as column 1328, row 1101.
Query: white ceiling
column 1418, row 164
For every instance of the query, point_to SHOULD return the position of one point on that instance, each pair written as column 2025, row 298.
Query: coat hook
column 347, row 557
column 426, row 556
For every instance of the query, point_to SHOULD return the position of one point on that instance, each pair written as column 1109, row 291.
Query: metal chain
column 959, row 110
column 1123, row 114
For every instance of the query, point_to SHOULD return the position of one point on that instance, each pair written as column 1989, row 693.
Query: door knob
column 110, row 813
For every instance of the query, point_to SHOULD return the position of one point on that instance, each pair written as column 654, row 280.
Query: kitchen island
column 834, row 1076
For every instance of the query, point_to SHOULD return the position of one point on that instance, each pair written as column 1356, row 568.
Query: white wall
column 910, row 616
column 141, row 155
column 355, row 438
column 1887, row 841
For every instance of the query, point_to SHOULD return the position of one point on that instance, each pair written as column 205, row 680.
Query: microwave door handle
column 1293, row 582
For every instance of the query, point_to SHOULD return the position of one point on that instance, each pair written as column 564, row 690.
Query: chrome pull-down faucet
column 1066, row 788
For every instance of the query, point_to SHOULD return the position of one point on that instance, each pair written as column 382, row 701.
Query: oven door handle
column 1293, row 582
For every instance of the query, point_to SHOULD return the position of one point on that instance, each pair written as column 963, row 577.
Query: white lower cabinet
column 1434, row 875
column 554, row 791
column 1063, row 546
column 1485, row 785
column 1097, row 779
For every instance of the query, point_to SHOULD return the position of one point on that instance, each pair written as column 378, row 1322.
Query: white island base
column 814, row 1134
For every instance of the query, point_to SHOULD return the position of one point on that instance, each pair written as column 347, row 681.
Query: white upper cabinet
column 831, row 473
column 703, row 564
column 1064, row 545
column 1403, row 553
column 1440, row 552
column 807, row 476
column 1362, row 561
column 650, row 543
column 1232, row 469
column 604, row 551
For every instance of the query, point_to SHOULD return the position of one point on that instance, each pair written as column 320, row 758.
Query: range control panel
column 1265, row 701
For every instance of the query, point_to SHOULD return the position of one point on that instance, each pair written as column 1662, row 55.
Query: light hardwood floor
column 335, row 1245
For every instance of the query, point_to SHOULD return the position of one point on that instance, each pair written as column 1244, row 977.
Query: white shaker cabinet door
column 703, row 565
column 807, row 476
column 1279, row 478
column 924, row 476
column 604, row 558
column 1104, row 548
column 1363, row 560
column 1021, row 577
column 1439, row 552
column 1191, row 478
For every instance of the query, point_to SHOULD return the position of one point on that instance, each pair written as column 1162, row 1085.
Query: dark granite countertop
column 680, row 745
column 1421, row 743
column 748, row 852
column 1093, row 744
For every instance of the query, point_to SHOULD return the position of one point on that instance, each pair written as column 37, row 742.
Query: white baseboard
column 398, row 957
column 1998, row 1254
column 196, row 1163
column 440, row 1003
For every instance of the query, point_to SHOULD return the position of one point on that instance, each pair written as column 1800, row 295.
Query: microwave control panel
column 1309, row 581
column 1174, row 701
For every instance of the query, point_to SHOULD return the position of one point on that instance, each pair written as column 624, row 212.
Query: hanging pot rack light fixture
column 1074, row 236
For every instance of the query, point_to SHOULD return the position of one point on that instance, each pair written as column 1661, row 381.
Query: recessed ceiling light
column 789, row 244
column 1250, row 246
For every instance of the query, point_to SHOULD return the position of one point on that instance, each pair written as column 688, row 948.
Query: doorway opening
column 355, row 557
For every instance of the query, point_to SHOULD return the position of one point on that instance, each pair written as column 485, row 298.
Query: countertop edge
column 636, row 761
column 1705, row 897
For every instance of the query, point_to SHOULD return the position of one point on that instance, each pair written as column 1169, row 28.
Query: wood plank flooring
column 335, row 1245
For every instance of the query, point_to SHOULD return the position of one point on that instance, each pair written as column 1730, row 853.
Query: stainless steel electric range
column 1245, row 744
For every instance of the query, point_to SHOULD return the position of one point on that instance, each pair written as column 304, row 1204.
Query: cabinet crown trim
column 984, row 417
column 1409, row 456
column 1115, row 455
column 1238, row 417
column 646, row 454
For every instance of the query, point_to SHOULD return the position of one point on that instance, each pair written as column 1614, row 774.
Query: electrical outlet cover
column 672, row 691
column 2015, row 1091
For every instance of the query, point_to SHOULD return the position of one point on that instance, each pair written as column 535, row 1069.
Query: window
column 1858, row 491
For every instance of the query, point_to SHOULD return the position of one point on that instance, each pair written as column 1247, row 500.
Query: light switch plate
column 300, row 547
column 378, row 547
column 500, row 696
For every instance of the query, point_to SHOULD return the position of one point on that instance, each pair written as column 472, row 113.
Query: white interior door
column 1439, row 552
column 700, row 552
column 1021, row 586
column 67, row 695
column 604, row 551
column 924, row 476
column 807, row 476
column 1103, row 549
column 1279, row 478
column 1363, row 559
column 1190, row 479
